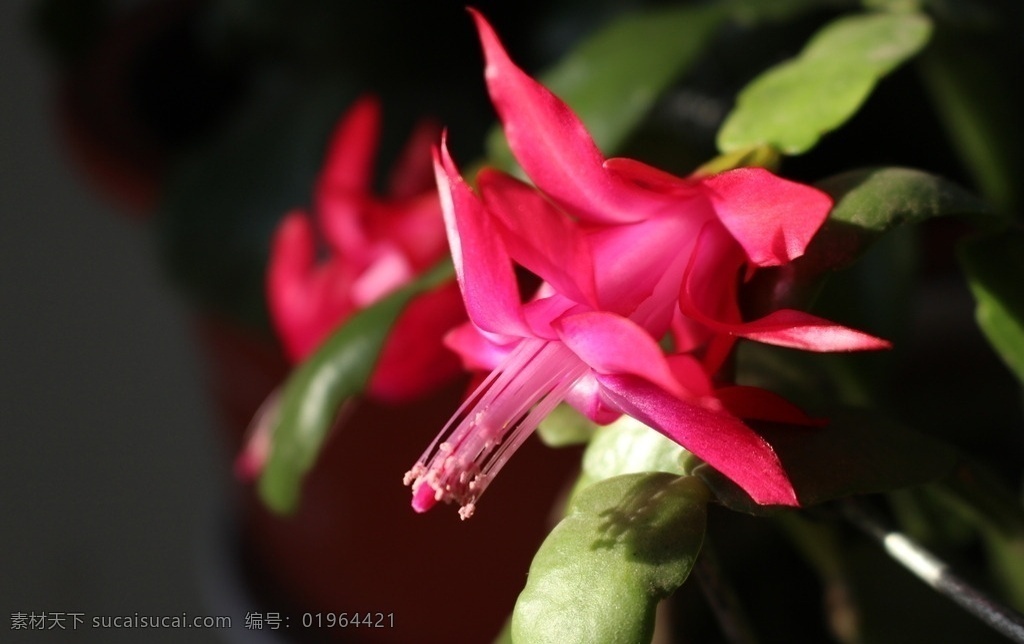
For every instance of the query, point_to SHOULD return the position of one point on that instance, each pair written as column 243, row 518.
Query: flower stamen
column 492, row 423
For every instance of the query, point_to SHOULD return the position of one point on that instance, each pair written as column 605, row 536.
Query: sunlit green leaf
column 627, row 446
column 614, row 77
column 627, row 543
column 316, row 390
column 793, row 104
column 565, row 426
column 994, row 265
column 759, row 156
column 856, row 453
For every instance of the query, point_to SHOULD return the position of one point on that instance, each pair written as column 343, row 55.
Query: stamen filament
column 493, row 423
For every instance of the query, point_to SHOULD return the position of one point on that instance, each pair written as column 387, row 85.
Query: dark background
column 111, row 475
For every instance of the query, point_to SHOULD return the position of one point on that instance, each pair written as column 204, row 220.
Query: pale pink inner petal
column 587, row 397
column 389, row 271
column 638, row 267
column 608, row 343
column 541, row 312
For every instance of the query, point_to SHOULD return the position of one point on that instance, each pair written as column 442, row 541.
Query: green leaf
column 565, row 426
column 315, row 391
column 793, row 104
column 613, row 77
column 875, row 200
column 760, row 156
column 627, row 543
column 758, row 11
column 868, row 203
column 994, row 265
column 856, row 453
column 628, row 446
column 505, row 635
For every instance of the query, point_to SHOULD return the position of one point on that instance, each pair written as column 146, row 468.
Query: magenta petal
column 721, row 440
column 478, row 353
column 539, row 237
column 787, row 328
column 350, row 156
column 799, row 330
column 541, row 311
column 796, row 330
column 651, row 178
column 341, row 220
column 482, row 264
column 611, row 344
column 250, row 462
column 550, row 141
column 772, row 219
column 638, row 267
column 691, row 374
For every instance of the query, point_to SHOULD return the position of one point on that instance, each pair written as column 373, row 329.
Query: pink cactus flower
column 627, row 254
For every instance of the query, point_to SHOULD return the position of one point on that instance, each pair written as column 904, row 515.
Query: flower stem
column 936, row 573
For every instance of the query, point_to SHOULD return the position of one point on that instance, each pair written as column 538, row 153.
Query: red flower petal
column 721, row 440
column 772, row 219
column 350, row 156
column 610, row 344
column 539, row 237
column 550, row 141
column 785, row 327
column 482, row 264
